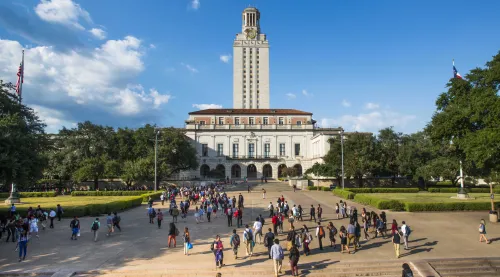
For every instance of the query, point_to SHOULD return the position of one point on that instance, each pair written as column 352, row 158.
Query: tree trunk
column 96, row 183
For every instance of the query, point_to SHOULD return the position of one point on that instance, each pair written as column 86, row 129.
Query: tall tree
column 387, row 149
column 468, row 116
column 22, row 139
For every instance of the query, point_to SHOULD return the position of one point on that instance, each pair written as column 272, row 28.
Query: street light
column 342, row 150
column 157, row 132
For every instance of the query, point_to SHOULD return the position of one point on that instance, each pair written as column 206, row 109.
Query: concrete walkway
column 142, row 246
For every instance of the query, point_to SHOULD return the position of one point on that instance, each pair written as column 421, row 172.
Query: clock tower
column 251, row 64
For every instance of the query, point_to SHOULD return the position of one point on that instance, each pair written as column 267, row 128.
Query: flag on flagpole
column 455, row 72
column 20, row 78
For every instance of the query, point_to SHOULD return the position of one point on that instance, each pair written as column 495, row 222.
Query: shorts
column 34, row 230
column 75, row 231
column 110, row 227
column 259, row 231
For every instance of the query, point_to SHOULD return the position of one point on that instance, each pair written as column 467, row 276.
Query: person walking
column 209, row 212
column 12, row 210
column 337, row 210
column 312, row 213
column 159, row 218
column 294, row 259
column 162, row 198
column 257, row 230
column 263, row 193
column 95, row 228
column 299, row 213
column 307, row 239
column 52, row 216
column 175, row 214
column 75, row 227
column 351, row 234
column 277, row 255
column 187, row 241
column 482, row 232
column 332, row 232
column 320, row 234
column 173, row 232
column 248, row 240
column 109, row 224
column 268, row 241
column 33, row 223
column 275, row 222
column 405, row 229
column 271, row 209
column 59, row 211
column 229, row 213
column 343, row 239
column 396, row 241
column 11, row 230
column 319, row 212
column 116, row 221
column 218, row 250
column 22, row 245
column 151, row 215
column 235, row 243
column 240, row 217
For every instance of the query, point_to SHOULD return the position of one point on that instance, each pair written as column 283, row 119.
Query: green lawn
column 431, row 197
column 79, row 206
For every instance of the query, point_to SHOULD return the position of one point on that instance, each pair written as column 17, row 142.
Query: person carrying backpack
column 116, row 221
column 75, row 228
column 320, row 234
column 268, row 241
column 95, row 228
column 248, row 240
column 405, row 229
column 482, row 232
column 235, row 243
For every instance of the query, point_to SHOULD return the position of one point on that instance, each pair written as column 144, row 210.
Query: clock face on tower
column 251, row 33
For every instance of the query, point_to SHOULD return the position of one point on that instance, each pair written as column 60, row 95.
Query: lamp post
column 342, row 150
column 157, row 132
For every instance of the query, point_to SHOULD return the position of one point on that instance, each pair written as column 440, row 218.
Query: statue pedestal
column 14, row 198
column 462, row 194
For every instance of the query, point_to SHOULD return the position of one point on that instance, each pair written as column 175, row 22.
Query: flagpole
column 22, row 80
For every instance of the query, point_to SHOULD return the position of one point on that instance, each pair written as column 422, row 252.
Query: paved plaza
column 141, row 248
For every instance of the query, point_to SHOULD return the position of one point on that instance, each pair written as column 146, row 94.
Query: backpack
column 73, row 224
column 321, row 232
column 95, row 226
column 248, row 235
column 154, row 213
column 408, row 231
column 290, row 236
column 262, row 221
column 212, row 246
column 236, row 240
column 334, row 230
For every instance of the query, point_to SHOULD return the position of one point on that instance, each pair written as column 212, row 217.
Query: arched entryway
column 235, row 171
column 221, row 170
column 251, row 171
column 298, row 169
column 204, row 170
column 267, row 171
column 281, row 170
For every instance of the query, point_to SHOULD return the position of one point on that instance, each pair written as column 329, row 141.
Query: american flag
column 20, row 78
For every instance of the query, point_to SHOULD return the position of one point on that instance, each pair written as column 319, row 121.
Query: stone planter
column 494, row 218
column 292, row 182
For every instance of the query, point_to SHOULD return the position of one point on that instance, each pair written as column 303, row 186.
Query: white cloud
column 306, row 93
column 207, row 106
column 372, row 106
column 225, row 58
column 291, row 96
column 152, row 46
column 98, row 33
column 99, row 79
column 346, row 103
column 190, row 68
column 53, row 118
column 370, row 122
column 195, row 4
column 63, row 12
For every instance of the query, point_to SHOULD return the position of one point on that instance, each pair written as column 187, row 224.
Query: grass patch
column 420, row 202
column 79, row 206
column 30, row 194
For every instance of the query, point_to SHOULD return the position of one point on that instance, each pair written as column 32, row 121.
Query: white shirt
column 257, row 225
column 403, row 229
column 162, row 197
column 52, row 214
column 34, row 222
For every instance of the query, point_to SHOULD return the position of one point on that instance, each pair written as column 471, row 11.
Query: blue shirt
column 277, row 252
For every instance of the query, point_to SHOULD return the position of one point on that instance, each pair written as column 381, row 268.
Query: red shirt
column 275, row 219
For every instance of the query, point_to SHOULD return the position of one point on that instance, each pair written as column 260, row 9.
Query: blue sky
column 363, row 65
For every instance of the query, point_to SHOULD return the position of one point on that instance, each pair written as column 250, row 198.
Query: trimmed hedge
column 92, row 209
column 110, row 193
column 455, row 190
column 343, row 193
column 30, row 194
column 452, row 206
column 318, row 188
column 381, row 204
column 383, row 190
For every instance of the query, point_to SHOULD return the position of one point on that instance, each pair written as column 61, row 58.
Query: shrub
column 30, row 194
column 325, row 189
column 452, row 206
column 312, row 188
column 92, row 209
column 380, row 203
column 455, row 190
column 154, row 195
column 343, row 193
column 383, row 190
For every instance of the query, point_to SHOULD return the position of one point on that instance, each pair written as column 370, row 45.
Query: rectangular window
column 280, row 121
column 299, row 123
column 236, row 121
column 297, row 149
column 204, row 150
column 266, row 120
column 235, row 150
column 267, row 150
column 202, row 122
column 220, row 149
column 251, row 150
column 221, row 120
column 282, row 149
column 251, row 120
